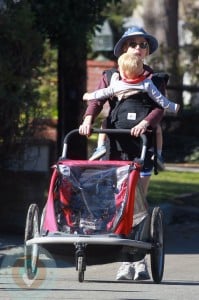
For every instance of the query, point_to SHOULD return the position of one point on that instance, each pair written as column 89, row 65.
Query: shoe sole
column 142, row 277
column 124, row 278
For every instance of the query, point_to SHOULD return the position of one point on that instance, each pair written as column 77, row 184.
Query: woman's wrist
column 144, row 124
column 88, row 120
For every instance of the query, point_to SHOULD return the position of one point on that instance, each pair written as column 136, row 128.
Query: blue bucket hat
column 132, row 32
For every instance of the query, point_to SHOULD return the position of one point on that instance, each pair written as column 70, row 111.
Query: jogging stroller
column 96, row 203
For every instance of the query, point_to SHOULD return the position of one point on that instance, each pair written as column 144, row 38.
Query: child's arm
column 155, row 94
column 116, row 88
column 99, row 94
column 104, row 93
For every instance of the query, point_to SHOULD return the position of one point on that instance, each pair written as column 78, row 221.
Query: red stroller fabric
column 89, row 197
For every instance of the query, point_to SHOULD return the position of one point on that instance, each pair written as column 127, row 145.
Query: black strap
column 109, row 74
column 155, row 165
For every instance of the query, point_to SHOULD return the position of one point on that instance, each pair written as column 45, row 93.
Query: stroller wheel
column 31, row 253
column 42, row 231
column 157, row 252
column 80, row 260
column 81, row 268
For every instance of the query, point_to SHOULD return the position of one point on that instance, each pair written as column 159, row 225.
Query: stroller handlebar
column 108, row 131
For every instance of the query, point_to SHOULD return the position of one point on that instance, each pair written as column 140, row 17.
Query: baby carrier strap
column 161, row 76
column 109, row 73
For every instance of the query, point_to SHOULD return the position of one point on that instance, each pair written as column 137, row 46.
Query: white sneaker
column 125, row 272
column 98, row 153
column 141, row 271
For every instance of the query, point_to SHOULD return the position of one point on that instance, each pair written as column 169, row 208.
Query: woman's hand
column 85, row 128
column 140, row 128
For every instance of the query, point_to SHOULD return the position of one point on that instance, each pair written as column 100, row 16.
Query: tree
column 68, row 24
column 190, row 48
column 47, row 88
column 20, row 53
column 161, row 19
column 116, row 14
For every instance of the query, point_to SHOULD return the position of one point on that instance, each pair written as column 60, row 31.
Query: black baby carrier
column 127, row 113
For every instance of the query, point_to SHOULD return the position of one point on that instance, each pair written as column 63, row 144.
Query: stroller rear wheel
column 31, row 253
column 157, row 252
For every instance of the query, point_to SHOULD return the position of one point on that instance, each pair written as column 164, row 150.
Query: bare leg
column 101, row 140
column 145, row 184
column 102, row 136
column 101, row 147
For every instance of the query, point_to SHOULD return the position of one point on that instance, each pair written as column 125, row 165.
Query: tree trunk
column 71, row 86
column 161, row 19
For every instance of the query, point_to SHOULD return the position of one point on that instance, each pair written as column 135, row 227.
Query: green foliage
column 20, row 52
column 47, row 102
column 117, row 11
column 63, row 19
column 194, row 156
column 68, row 25
column 28, row 79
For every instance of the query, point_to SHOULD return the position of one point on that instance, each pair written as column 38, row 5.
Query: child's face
column 137, row 46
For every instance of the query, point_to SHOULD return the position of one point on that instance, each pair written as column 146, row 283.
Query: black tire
column 157, row 239
column 31, row 253
column 81, row 268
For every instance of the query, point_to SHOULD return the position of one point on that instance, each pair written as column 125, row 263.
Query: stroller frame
column 36, row 234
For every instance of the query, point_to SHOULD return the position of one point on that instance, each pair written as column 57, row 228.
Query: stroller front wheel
column 31, row 253
column 81, row 268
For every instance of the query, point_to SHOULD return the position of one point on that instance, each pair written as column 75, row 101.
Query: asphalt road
column 58, row 278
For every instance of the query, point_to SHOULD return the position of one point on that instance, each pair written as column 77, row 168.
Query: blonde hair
column 130, row 66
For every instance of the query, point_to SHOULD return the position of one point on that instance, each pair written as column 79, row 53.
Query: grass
column 176, row 187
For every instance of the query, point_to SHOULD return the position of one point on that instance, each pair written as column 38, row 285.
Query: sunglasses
column 142, row 45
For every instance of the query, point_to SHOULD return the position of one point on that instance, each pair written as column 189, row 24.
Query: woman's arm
column 95, row 106
column 85, row 127
column 156, row 115
column 151, row 120
column 93, row 109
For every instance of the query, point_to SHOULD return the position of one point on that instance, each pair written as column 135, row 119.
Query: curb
column 182, row 167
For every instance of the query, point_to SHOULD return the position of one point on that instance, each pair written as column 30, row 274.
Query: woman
column 137, row 42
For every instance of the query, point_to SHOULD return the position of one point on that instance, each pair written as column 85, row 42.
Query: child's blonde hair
column 130, row 66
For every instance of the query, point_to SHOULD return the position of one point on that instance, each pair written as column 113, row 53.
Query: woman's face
column 137, row 46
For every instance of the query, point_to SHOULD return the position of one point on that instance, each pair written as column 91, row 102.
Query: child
column 132, row 81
